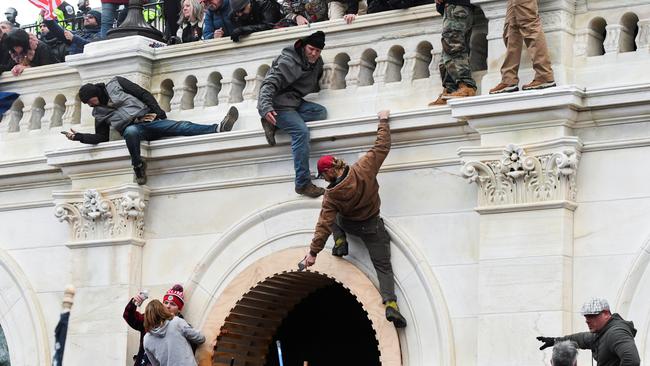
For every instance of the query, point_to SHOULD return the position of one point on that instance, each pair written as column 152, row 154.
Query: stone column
column 106, row 240
column 525, row 171
column 643, row 37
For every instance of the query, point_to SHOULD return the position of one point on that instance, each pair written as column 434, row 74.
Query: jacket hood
column 161, row 330
column 340, row 191
column 618, row 322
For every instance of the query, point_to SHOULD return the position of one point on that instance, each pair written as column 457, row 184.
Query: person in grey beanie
column 610, row 337
column 565, row 353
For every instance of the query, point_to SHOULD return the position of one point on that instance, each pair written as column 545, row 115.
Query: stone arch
column 166, row 94
column 423, row 60
column 22, row 320
column 238, row 84
column 58, row 110
column 629, row 31
column 187, row 100
column 341, row 69
column 632, row 300
column 38, row 110
column 214, row 87
column 596, row 33
column 395, row 63
column 272, row 241
column 367, row 67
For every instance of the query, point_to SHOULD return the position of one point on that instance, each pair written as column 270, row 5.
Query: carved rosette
column 518, row 178
column 95, row 215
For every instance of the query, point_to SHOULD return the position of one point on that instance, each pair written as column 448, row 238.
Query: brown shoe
column 269, row 131
column 310, row 190
column 463, row 90
column 504, row 88
column 441, row 99
column 538, row 84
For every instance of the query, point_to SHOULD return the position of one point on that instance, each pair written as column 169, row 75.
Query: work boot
column 340, row 248
column 229, row 120
column 310, row 190
column 538, row 84
column 441, row 98
column 140, row 173
column 393, row 314
column 504, row 88
column 269, row 131
column 463, row 90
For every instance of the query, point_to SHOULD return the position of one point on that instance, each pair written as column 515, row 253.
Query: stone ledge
column 483, row 210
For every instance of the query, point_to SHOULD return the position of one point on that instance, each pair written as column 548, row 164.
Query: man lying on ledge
column 136, row 115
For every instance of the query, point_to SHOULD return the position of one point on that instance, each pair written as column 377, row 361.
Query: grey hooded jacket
column 168, row 344
column 123, row 107
column 290, row 78
column 612, row 346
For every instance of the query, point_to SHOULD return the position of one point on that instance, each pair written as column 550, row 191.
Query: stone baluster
column 613, row 38
column 643, row 37
column 72, row 111
column 366, row 72
column 352, row 78
column 580, row 44
column 226, row 89
column 434, row 65
column 188, row 98
column 410, row 64
column 388, row 69
column 236, row 90
column 200, row 99
column 56, row 120
column 175, row 103
column 379, row 75
column 23, row 124
column 327, row 78
column 48, row 113
column 252, row 88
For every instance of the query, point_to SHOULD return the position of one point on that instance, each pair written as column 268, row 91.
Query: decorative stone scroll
column 521, row 179
column 95, row 215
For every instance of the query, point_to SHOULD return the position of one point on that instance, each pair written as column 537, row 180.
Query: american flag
column 47, row 5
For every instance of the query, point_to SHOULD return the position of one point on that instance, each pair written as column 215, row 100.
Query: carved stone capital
column 103, row 215
column 520, row 179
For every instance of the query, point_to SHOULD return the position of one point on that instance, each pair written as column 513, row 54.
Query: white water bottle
column 144, row 294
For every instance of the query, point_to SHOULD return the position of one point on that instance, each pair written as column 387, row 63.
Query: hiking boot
column 140, row 173
column 463, row 90
column 310, row 190
column 504, row 88
column 229, row 120
column 538, row 84
column 269, row 131
column 441, row 98
column 393, row 315
column 340, row 247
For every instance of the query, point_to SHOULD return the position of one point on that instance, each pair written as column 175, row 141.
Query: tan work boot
column 310, row 190
column 538, row 84
column 504, row 88
column 463, row 90
column 441, row 99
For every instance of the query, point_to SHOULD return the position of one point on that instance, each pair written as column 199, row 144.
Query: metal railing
column 157, row 19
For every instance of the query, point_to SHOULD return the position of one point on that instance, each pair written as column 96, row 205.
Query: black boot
column 393, row 315
column 340, row 248
column 269, row 131
column 140, row 173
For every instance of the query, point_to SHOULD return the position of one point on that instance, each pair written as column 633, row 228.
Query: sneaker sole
column 540, row 86
column 269, row 139
column 510, row 89
column 229, row 120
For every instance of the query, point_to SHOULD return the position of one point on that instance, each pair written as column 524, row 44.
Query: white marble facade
column 504, row 211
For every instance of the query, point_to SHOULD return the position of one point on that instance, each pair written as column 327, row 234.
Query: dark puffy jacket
column 290, row 78
column 376, row 6
column 263, row 16
column 219, row 18
column 612, row 346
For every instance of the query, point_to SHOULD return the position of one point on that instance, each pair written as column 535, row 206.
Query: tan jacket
column 356, row 197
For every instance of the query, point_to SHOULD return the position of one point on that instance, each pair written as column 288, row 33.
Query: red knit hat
column 324, row 163
column 175, row 294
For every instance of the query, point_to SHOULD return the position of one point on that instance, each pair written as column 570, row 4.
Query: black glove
column 234, row 36
column 174, row 40
column 548, row 342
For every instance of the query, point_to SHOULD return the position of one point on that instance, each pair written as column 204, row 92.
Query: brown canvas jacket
column 356, row 197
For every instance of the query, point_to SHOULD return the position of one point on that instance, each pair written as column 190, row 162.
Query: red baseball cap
column 324, row 163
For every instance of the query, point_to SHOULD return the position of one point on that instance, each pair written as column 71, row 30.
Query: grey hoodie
column 612, row 346
column 168, row 344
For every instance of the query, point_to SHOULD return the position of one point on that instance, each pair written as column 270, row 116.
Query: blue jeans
column 150, row 131
column 293, row 122
column 109, row 13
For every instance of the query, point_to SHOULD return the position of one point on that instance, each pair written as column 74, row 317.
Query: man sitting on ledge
column 136, row 115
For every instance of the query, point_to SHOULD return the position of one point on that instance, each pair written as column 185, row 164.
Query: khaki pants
column 336, row 9
column 522, row 24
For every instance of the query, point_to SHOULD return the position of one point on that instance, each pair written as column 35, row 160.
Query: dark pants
column 374, row 235
column 155, row 130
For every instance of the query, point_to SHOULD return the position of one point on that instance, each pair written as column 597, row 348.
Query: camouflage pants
column 456, row 31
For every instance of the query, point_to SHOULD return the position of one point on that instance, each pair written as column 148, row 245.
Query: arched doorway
column 314, row 317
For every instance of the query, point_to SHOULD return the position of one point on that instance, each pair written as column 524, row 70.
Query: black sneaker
column 340, row 248
column 393, row 315
column 140, row 173
column 269, row 131
column 229, row 120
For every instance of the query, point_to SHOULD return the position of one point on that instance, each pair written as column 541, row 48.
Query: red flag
column 48, row 6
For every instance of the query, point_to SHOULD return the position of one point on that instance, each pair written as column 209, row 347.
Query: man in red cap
column 294, row 74
column 351, row 205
